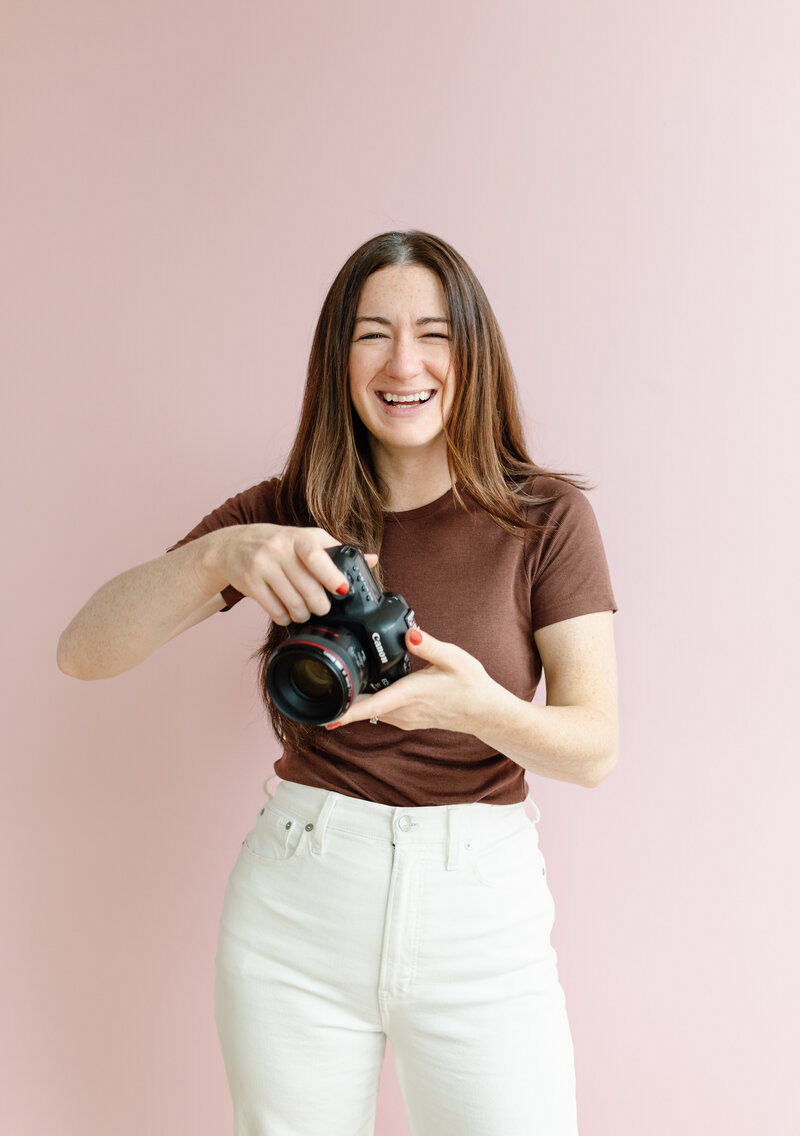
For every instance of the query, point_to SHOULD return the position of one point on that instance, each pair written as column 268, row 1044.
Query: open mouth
column 410, row 399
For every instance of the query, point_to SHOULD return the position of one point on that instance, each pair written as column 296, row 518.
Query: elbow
column 66, row 660
column 90, row 665
column 604, row 763
column 599, row 770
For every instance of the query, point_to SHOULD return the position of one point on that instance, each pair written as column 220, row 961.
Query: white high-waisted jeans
column 346, row 922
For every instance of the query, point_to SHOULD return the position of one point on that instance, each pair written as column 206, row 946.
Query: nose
column 404, row 362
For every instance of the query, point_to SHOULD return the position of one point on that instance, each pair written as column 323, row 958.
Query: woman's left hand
column 445, row 695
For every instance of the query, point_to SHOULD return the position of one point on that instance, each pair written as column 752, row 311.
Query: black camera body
column 358, row 647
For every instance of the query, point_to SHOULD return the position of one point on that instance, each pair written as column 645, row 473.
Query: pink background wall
column 181, row 181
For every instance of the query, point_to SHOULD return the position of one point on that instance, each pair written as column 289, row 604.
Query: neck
column 411, row 480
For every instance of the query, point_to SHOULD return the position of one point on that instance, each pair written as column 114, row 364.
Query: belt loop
column 266, row 786
column 528, row 797
column 452, row 839
column 320, row 828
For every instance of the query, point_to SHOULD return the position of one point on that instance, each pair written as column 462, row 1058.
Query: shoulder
column 553, row 501
column 563, row 524
column 542, row 485
column 257, row 501
column 567, row 562
column 255, row 505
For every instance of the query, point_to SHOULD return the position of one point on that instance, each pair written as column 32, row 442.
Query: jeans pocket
column 275, row 837
column 511, row 861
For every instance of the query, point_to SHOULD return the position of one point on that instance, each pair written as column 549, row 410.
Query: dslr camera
column 358, row 647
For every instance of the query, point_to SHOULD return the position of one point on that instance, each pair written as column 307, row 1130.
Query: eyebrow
column 388, row 323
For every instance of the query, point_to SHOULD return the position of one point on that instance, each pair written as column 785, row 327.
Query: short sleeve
column 569, row 570
column 254, row 506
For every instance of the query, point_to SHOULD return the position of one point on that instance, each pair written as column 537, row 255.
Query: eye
column 380, row 335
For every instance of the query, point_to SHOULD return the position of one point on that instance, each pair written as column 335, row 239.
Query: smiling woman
column 402, row 382
column 393, row 885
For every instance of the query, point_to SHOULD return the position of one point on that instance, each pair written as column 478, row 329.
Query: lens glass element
column 312, row 678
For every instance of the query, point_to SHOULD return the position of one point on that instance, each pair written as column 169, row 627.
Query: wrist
column 211, row 563
column 483, row 707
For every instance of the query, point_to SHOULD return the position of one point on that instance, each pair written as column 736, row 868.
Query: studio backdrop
column 180, row 184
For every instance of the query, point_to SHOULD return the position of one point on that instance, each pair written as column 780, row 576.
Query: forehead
column 399, row 286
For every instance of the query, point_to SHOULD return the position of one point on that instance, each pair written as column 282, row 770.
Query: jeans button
column 405, row 823
column 309, row 827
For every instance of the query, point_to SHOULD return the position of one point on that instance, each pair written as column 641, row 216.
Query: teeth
column 420, row 396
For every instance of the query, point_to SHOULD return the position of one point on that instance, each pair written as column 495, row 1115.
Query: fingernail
column 343, row 589
column 332, row 725
column 415, row 636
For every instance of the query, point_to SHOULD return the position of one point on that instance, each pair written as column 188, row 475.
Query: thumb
column 424, row 646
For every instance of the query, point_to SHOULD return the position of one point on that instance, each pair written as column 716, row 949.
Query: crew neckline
column 434, row 506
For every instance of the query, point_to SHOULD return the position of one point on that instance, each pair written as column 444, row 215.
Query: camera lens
column 314, row 676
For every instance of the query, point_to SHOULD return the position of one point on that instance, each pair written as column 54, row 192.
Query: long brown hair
column 329, row 479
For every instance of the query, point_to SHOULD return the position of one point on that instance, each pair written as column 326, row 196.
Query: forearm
column 136, row 612
column 568, row 743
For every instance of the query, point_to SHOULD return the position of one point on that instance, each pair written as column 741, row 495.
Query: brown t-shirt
column 469, row 583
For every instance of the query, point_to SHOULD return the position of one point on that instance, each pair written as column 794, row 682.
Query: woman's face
column 401, row 377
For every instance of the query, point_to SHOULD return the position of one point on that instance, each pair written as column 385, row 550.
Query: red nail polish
column 415, row 636
column 332, row 725
column 342, row 590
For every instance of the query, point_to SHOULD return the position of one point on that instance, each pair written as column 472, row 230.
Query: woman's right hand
column 284, row 569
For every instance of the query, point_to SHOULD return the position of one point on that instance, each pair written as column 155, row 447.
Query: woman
column 393, row 885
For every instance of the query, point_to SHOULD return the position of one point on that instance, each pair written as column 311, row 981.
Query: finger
column 286, row 593
column 266, row 598
column 321, row 567
column 312, row 592
column 371, row 558
column 364, row 707
column 432, row 650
